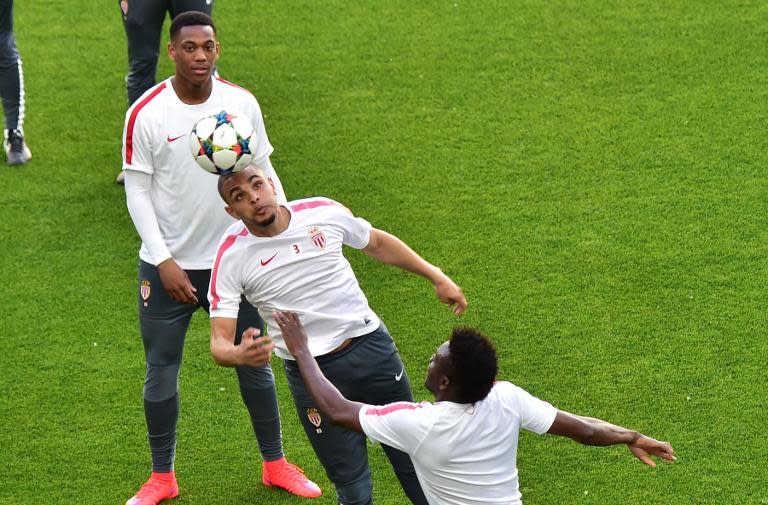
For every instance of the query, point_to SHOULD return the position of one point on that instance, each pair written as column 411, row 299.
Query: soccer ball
column 223, row 143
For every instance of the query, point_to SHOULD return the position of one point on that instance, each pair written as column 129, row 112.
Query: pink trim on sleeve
column 312, row 204
column 132, row 122
column 222, row 249
column 224, row 81
column 394, row 407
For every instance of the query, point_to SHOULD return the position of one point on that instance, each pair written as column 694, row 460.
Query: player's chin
column 264, row 221
column 264, row 215
column 200, row 76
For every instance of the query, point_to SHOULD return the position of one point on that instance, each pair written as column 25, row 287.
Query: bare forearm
column 223, row 352
column 604, row 433
column 391, row 250
column 591, row 431
column 328, row 399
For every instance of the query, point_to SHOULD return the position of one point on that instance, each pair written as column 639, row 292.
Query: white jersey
column 301, row 270
column 189, row 211
column 463, row 454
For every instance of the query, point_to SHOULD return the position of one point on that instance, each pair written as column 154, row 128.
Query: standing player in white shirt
column 464, row 446
column 173, row 204
column 290, row 257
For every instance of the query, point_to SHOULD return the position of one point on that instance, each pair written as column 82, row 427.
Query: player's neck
column 190, row 93
column 447, row 395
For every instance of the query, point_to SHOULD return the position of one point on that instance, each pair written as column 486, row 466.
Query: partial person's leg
column 11, row 76
column 257, row 388
column 143, row 22
column 164, row 323
column 386, row 381
column 343, row 453
column 179, row 6
column 12, row 89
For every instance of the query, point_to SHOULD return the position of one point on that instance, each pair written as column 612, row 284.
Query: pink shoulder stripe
column 312, row 204
column 132, row 122
column 393, row 407
column 223, row 81
column 222, row 249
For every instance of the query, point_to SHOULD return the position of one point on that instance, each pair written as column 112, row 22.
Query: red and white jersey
column 301, row 270
column 463, row 454
column 190, row 212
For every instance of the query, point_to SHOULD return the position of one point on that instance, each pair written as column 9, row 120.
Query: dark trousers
column 164, row 323
column 143, row 22
column 369, row 370
column 11, row 75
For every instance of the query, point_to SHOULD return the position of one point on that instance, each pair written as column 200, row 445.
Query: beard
column 267, row 220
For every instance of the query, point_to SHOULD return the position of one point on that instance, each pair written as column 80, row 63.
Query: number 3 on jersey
column 295, row 249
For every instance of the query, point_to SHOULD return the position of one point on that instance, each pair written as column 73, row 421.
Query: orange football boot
column 280, row 473
column 160, row 486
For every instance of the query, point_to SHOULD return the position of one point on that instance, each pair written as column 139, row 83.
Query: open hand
column 644, row 447
column 293, row 332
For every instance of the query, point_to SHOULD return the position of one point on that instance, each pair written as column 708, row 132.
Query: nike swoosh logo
column 169, row 139
column 266, row 262
column 399, row 376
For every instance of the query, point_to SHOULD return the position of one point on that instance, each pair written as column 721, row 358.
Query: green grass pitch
column 592, row 173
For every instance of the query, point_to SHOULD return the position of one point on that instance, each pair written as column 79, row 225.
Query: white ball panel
column 206, row 164
column 225, row 158
column 243, row 162
column 224, row 136
column 194, row 144
column 204, row 128
column 242, row 126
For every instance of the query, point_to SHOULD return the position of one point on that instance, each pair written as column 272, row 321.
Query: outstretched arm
column 591, row 431
column 389, row 249
column 329, row 400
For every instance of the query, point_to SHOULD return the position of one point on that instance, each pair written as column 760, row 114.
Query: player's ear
column 231, row 212
column 171, row 50
column 272, row 183
column 444, row 382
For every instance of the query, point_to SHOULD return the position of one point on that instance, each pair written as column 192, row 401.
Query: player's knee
column 356, row 493
column 162, row 348
column 161, row 383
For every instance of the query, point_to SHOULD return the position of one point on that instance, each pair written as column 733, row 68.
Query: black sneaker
column 16, row 149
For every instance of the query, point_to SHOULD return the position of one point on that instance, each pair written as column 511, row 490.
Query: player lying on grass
column 464, row 446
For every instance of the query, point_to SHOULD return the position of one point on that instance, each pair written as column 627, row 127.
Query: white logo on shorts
column 399, row 376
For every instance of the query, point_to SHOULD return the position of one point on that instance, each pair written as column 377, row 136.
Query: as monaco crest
column 145, row 291
column 318, row 237
column 314, row 417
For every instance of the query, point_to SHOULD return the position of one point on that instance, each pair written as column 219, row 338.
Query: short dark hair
column 473, row 364
column 191, row 18
column 220, row 185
